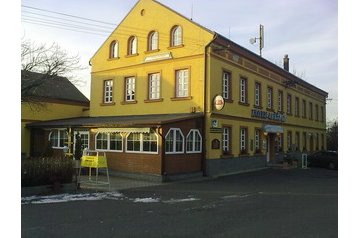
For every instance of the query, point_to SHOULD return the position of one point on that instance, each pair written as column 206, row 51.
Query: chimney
column 286, row 63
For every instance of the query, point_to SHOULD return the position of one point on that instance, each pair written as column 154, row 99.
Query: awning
column 272, row 129
column 128, row 130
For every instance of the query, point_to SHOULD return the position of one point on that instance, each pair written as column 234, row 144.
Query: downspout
column 203, row 157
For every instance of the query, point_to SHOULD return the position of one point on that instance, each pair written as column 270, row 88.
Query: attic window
column 142, row 12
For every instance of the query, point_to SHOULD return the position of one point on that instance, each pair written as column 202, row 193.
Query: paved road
column 267, row 203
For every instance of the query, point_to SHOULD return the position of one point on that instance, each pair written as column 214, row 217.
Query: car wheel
column 331, row 165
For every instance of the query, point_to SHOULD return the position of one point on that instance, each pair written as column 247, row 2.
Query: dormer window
column 132, row 45
column 153, row 41
column 113, row 50
column 176, row 36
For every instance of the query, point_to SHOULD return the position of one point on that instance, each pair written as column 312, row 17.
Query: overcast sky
column 306, row 30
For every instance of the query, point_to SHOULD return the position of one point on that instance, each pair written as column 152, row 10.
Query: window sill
column 128, row 102
column 181, row 98
column 175, row 47
column 154, row 100
column 226, row 156
column 228, row 100
column 257, row 107
column 107, row 104
column 114, row 58
column 289, row 114
column 151, row 51
column 244, row 104
column 270, row 109
column 133, row 55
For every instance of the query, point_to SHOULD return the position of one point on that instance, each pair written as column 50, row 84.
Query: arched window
column 193, row 141
column 174, row 141
column 176, row 36
column 58, row 138
column 132, row 45
column 113, row 50
column 153, row 41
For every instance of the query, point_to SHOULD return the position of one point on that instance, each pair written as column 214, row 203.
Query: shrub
column 46, row 171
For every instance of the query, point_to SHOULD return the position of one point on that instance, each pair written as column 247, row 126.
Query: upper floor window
column 142, row 142
column 182, row 83
column 317, row 112
column 297, row 107
column 304, row 109
column 132, row 45
column 310, row 111
column 257, row 94
column 130, row 89
column 109, row 141
column 58, row 138
column 193, row 141
column 174, row 141
column 289, row 104
column 107, row 91
column 113, row 50
column 322, row 113
column 280, row 101
column 153, row 41
column 176, row 36
column 154, row 86
column 226, row 81
column 269, row 98
column 243, row 90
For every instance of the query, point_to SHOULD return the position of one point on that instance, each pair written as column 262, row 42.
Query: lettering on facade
column 273, row 116
column 158, row 57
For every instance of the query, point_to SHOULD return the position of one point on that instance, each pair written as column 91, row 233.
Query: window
column 257, row 94
column 289, row 103
column 257, row 141
column 132, row 45
column 226, row 85
column 297, row 107
column 193, row 141
column 243, row 90
column 130, row 89
column 317, row 141
column 176, row 36
column 304, row 109
column 280, row 101
column 226, row 140
column 304, row 141
column 297, row 141
column 113, row 50
column 142, row 142
column 153, row 41
column 322, row 141
column 310, row 111
column 107, row 91
column 269, row 98
column 174, row 141
column 243, row 142
column 58, row 138
column 182, row 83
column 109, row 141
column 317, row 114
column 154, row 86
column 279, row 142
column 322, row 114
column 289, row 140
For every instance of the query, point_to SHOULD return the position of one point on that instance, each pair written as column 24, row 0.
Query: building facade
column 170, row 97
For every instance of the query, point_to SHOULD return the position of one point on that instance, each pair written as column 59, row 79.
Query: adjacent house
column 170, row 97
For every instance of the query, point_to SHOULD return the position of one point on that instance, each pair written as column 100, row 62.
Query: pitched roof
column 51, row 87
column 115, row 121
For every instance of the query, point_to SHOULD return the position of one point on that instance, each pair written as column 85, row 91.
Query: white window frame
column 108, row 91
column 226, row 140
column 176, row 36
column 280, row 101
column 141, row 140
column 108, row 140
column 269, row 97
column 58, row 137
column 153, row 41
column 257, row 102
column 289, row 140
column 130, row 89
column 132, row 45
column 257, row 140
column 81, row 133
column 289, row 104
column 243, row 136
column 154, row 86
column 193, row 141
column 182, row 83
column 243, row 88
column 174, row 141
column 226, row 84
column 114, row 50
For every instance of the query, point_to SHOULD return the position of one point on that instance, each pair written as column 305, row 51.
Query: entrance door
column 84, row 139
column 271, row 147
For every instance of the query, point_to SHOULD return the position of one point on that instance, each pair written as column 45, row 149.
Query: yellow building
column 170, row 97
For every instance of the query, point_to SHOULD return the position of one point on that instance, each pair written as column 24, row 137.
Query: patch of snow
column 181, row 200
column 146, row 200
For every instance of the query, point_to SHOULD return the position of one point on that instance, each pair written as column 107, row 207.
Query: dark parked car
column 326, row 159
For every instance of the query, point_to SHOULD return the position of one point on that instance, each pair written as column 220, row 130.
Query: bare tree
column 49, row 61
